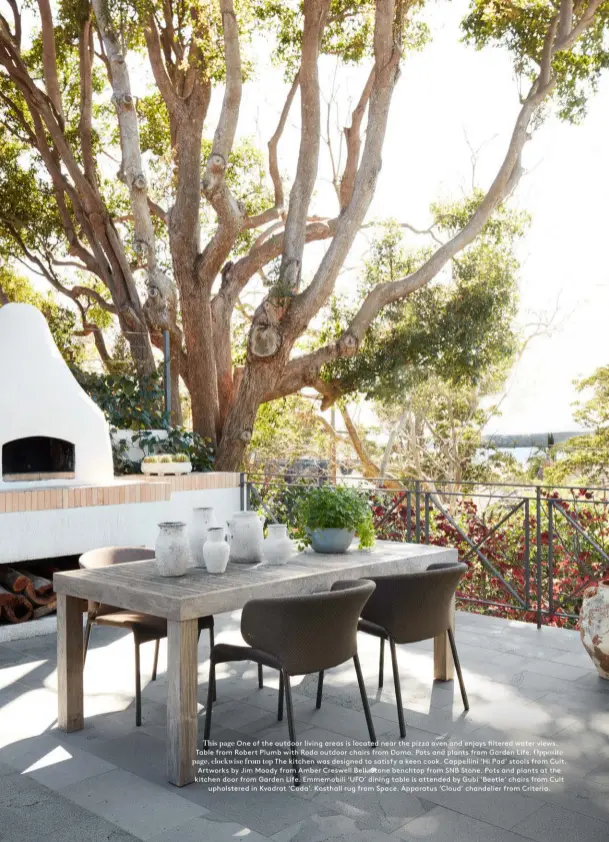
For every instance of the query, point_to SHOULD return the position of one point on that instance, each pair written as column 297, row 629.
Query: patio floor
column 107, row 782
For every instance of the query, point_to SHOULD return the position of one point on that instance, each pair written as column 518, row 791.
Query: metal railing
column 531, row 551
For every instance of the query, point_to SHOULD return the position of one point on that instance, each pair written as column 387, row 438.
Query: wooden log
column 13, row 580
column 38, row 590
column 6, row 597
column 17, row 611
column 43, row 610
column 41, row 585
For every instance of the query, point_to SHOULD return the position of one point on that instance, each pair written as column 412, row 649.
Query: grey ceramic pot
column 331, row 540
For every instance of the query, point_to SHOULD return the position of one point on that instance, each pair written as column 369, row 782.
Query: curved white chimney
column 50, row 429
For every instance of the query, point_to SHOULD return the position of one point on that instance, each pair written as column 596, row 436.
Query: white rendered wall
column 25, row 536
column 39, row 396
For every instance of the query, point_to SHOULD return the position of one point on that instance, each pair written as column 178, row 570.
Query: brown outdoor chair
column 412, row 607
column 144, row 627
column 299, row 635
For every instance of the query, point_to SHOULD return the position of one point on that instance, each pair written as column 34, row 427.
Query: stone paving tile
column 212, row 828
column 47, row 761
column 135, row 805
column 28, row 809
column 442, row 825
column 240, row 715
column 328, row 825
column 10, row 656
column 556, row 824
column 93, row 829
column 503, row 810
column 384, row 811
column 266, row 813
column 138, row 753
column 349, row 723
column 433, row 720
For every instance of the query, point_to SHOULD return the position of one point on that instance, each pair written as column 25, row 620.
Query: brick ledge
column 129, row 489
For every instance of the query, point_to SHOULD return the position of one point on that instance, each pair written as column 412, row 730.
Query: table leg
column 70, row 662
column 443, row 664
column 182, row 638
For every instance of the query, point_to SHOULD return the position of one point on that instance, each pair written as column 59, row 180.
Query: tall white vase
column 203, row 519
column 171, row 549
column 246, row 537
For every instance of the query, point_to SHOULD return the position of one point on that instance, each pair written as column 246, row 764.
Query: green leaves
column 457, row 329
column 521, row 27
column 335, row 507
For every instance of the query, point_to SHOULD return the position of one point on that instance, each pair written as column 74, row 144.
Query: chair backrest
column 415, row 606
column 308, row 633
column 106, row 556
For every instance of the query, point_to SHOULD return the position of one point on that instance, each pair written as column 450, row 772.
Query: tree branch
column 353, row 143
column 274, row 143
column 309, row 302
column 49, row 58
column 174, row 104
column 161, row 291
column 315, row 12
column 85, row 124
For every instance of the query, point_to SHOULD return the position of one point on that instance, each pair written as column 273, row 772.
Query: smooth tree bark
column 198, row 303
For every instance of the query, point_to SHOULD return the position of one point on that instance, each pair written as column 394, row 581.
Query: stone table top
column 138, row 586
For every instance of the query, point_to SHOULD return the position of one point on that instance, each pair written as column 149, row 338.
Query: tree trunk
column 174, row 368
column 198, row 337
column 257, row 382
column 138, row 340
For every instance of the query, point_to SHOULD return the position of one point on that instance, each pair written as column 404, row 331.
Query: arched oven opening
column 38, row 458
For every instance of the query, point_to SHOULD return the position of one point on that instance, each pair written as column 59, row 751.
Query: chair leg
column 320, row 688
column 382, row 664
column 292, row 732
column 86, row 640
column 211, row 646
column 453, row 647
column 280, row 700
column 398, row 690
column 156, row 659
column 260, row 677
column 210, row 699
column 362, row 690
column 138, row 686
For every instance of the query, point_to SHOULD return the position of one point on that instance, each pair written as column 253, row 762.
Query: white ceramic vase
column 278, row 549
column 216, row 550
column 246, row 537
column 594, row 627
column 171, row 550
column 203, row 519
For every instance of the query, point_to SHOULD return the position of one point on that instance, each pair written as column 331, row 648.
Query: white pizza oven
column 50, row 429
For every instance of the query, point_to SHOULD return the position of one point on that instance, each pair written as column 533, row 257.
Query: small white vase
column 203, row 519
column 246, row 537
column 215, row 550
column 278, row 548
column 171, row 549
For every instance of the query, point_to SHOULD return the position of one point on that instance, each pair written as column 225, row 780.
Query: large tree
column 59, row 208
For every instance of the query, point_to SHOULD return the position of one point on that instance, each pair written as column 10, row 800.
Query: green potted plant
column 328, row 517
column 166, row 464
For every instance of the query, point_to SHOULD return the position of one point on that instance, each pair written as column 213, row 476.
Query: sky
column 450, row 100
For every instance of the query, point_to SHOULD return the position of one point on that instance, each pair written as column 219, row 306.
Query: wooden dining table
column 137, row 586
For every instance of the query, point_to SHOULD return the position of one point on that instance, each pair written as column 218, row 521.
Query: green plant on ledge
column 187, row 444
column 166, row 458
column 334, row 507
